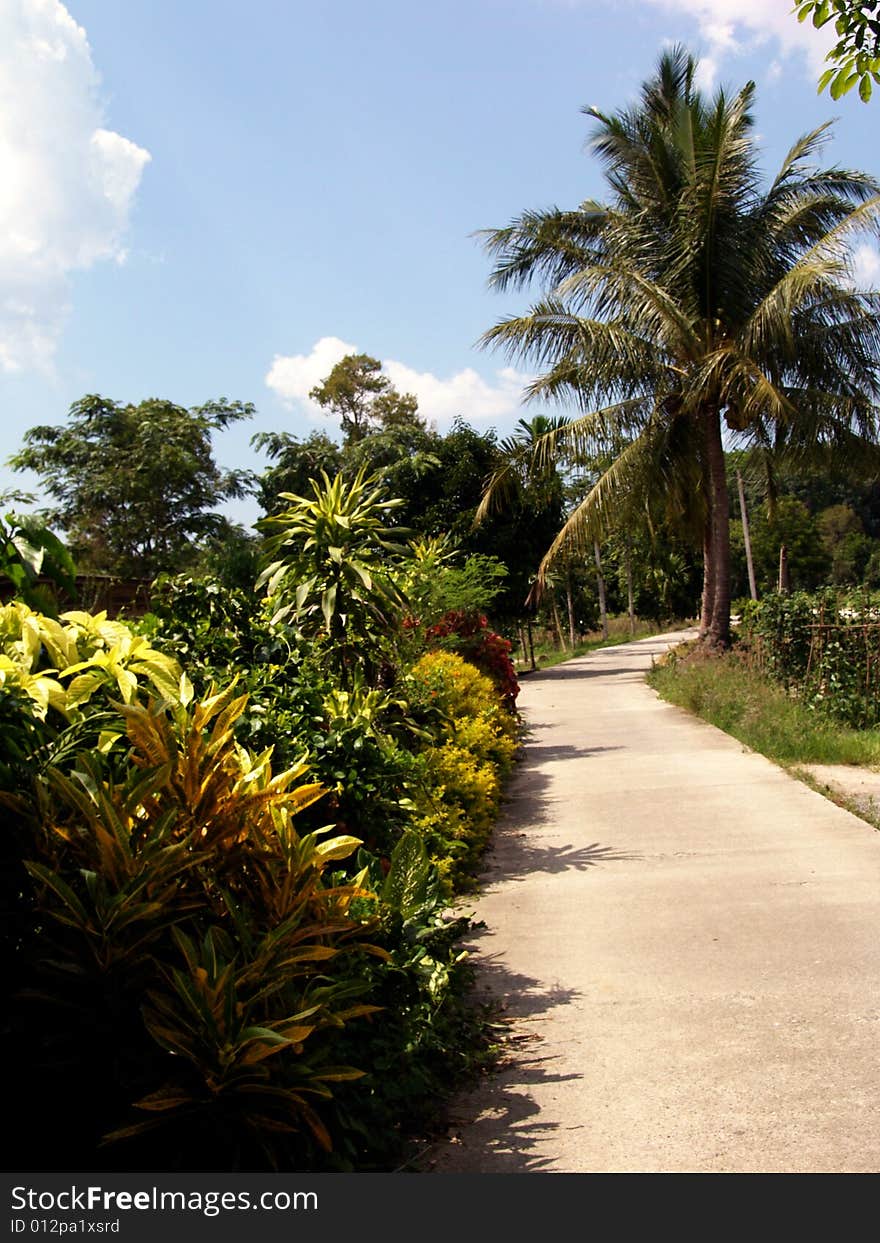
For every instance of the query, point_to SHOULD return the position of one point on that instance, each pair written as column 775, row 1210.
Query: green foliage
column 790, row 523
column 435, row 585
column 28, row 550
column 438, row 482
column 208, row 625
column 826, row 647
column 855, row 58
column 171, row 913
column 295, row 464
column 328, row 571
column 135, row 487
column 429, row 1036
column 845, row 543
column 185, row 939
column 358, row 394
column 694, row 299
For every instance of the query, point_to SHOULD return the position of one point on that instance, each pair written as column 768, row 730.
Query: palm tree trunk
column 600, row 583
column 718, row 633
column 569, row 599
column 630, row 598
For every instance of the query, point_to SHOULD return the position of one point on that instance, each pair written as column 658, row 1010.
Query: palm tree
column 691, row 302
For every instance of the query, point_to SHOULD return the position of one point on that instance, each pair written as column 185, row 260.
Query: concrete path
column 687, row 941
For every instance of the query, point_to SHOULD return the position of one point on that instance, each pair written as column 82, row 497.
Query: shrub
column 826, row 647
column 428, row 1036
column 459, row 689
column 187, row 955
column 468, row 635
column 458, row 799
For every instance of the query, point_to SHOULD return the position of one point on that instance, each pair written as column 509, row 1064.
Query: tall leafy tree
column 135, row 487
column 363, row 398
column 695, row 302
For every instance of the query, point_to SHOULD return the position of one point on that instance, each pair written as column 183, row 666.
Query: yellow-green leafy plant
column 62, row 663
column 190, row 951
column 329, row 571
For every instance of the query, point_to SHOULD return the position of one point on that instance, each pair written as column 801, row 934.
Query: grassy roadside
column 727, row 693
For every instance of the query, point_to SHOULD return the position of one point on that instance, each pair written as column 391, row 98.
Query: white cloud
column 291, row 377
column 729, row 29
column 866, row 266
column 464, row 393
column 707, row 73
column 67, row 183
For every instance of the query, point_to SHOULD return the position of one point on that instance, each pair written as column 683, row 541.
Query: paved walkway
column 687, row 941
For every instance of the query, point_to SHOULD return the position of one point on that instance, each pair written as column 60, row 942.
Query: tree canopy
column 135, row 486
column 359, row 394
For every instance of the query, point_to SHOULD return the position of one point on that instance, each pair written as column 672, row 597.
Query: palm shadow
column 518, row 849
column 497, row 1126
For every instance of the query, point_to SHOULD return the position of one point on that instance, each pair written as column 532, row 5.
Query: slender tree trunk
column 630, row 599
column 569, row 599
column 708, row 574
column 557, row 626
column 718, row 634
column 531, row 645
column 753, row 590
column 600, row 583
column 784, row 578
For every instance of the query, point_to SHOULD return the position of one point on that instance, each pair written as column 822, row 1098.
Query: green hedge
column 825, row 647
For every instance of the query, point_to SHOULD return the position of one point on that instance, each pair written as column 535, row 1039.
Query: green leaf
column 408, row 880
column 328, row 604
column 61, row 890
column 337, row 847
column 865, row 88
column 31, row 555
column 843, row 81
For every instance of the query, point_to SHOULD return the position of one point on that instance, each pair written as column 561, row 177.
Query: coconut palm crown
column 693, row 306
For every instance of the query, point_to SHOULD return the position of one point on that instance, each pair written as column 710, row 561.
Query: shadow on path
column 539, row 752
column 500, row 1116
column 518, row 850
column 519, row 858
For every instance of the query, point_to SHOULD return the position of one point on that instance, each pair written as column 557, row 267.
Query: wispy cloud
column 67, row 183
column 728, row 30
column 464, row 393
column 866, row 266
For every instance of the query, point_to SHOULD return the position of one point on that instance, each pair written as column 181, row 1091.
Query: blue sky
column 203, row 199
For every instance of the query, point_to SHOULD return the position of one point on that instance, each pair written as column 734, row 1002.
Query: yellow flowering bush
column 461, row 790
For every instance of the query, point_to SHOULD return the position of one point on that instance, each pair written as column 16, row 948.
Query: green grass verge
column 760, row 713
